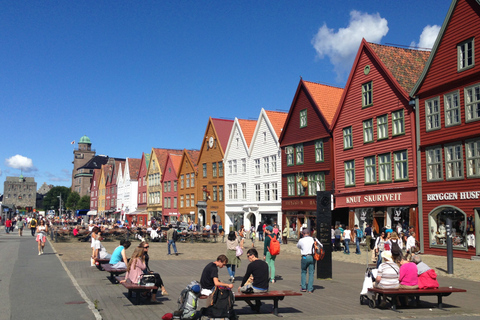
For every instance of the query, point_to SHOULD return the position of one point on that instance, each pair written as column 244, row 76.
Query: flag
column 73, row 142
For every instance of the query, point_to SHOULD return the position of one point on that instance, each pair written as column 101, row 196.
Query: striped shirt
column 388, row 271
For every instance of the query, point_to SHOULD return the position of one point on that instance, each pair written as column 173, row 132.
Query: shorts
column 41, row 237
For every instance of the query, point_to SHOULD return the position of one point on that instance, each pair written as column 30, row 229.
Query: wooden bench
column 132, row 287
column 394, row 293
column 113, row 272
column 100, row 262
column 276, row 296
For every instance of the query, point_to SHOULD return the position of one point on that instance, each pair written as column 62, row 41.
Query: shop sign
column 374, row 198
column 468, row 195
column 363, row 215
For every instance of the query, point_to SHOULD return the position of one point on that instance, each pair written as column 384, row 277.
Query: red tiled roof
column 326, row 98
column 223, row 128
column 162, row 155
column 176, row 160
column 406, row 65
column 277, row 119
column 193, row 155
column 134, row 168
column 248, row 128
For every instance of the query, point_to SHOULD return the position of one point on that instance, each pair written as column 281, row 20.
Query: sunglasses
column 146, row 247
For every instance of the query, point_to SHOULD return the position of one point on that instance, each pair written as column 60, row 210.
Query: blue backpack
column 359, row 233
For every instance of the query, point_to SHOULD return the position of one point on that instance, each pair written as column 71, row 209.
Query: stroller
column 365, row 296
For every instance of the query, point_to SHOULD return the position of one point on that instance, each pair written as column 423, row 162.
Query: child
column 253, row 238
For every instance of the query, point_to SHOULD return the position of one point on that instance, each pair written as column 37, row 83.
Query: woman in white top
column 346, row 237
column 42, row 230
column 410, row 242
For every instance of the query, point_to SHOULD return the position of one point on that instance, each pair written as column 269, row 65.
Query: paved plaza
column 61, row 284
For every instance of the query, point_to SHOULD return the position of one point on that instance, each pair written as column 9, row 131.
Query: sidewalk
column 337, row 298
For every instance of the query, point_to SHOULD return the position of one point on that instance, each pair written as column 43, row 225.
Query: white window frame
column 303, row 118
column 266, row 165
column 451, row 103
column 319, row 152
column 472, row 153
column 266, row 191
column 299, row 159
column 472, row 103
column 290, row 155
column 257, row 166
column 273, row 161
column 398, row 122
column 257, row 192
column 291, row 185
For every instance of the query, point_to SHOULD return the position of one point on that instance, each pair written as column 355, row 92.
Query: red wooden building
column 374, row 134
column 94, row 191
column 111, row 189
column 170, row 188
column 448, row 129
column 307, row 152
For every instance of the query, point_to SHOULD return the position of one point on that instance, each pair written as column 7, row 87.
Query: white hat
column 387, row 255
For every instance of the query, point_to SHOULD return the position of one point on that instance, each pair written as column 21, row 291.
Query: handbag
column 147, row 280
column 238, row 251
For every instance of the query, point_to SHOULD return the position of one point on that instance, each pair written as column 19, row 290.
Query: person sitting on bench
column 387, row 275
column 135, row 268
column 119, row 258
column 255, row 279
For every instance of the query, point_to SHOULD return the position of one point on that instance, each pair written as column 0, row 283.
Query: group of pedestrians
column 20, row 223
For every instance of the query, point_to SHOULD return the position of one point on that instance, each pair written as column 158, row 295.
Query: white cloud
column 20, row 162
column 427, row 38
column 342, row 46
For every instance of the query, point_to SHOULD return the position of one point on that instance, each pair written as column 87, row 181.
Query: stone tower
column 81, row 177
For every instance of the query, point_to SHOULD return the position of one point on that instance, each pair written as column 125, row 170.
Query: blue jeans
column 347, row 242
column 171, row 242
column 260, row 236
column 231, row 270
column 357, row 242
column 308, row 263
column 379, row 258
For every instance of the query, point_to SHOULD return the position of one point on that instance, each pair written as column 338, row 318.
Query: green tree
column 51, row 200
column 84, row 203
column 72, row 201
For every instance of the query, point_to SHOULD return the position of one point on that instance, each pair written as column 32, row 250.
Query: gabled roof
column 277, row 119
column 440, row 35
column 162, row 155
column 406, row 65
column 176, row 160
column 222, row 128
column 248, row 128
column 133, row 168
column 95, row 163
column 193, row 155
column 325, row 97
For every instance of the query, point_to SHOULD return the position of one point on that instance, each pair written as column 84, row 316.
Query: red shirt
column 8, row 223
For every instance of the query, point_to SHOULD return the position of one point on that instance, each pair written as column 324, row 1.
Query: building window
column 187, row 180
column 169, row 186
column 398, row 123
column 384, row 168
column 214, row 169
column 291, row 185
column 257, row 192
column 244, row 165
column 437, row 227
column 273, row 161
column 230, row 192
column 234, row 166
column 347, row 138
column 235, row 192
column 192, row 199
column 350, row 173
column 187, row 200
column 266, row 165
column 175, row 183
column 300, row 188
column 466, row 54
column 204, row 193
column 244, row 191
column 299, row 153
column 473, row 158
column 220, row 193
column 368, row 130
column 316, row 181
column 274, row 191
column 303, row 118
column 434, row 163
column 382, row 127
column 181, row 201
column 367, row 94
column 204, row 166
column 452, row 109
column 319, row 151
column 370, row 170
column 220, row 169
column 453, row 161
column 472, row 103
column 230, row 167
column 257, row 166
column 266, row 187
column 289, row 152
column 432, row 112
column 192, row 180
column 400, row 165
column 214, row 188
column 175, row 202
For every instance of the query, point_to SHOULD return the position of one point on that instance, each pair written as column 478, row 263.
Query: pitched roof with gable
column 222, row 128
column 406, row 65
column 162, row 155
column 176, row 160
column 95, row 163
column 193, row 155
column 325, row 97
column 277, row 119
column 248, row 128
column 133, row 168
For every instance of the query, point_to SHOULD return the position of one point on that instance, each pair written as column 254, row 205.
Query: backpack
column 317, row 250
column 274, row 247
column 175, row 235
column 222, row 304
column 395, row 248
column 359, row 233
column 188, row 300
column 33, row 223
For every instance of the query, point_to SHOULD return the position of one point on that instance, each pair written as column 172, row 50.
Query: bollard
column 51, row 234
column 56, row 237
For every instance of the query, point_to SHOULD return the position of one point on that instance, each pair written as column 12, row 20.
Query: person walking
column 307, row 262
column 33, row 226
column 20, row 225
column 171, row 238
column 346, row 237
column 368, row 237
column 270, row 259
column 358, row 238
column 233, row 241
column 260, row 231
column 285, row 235
column 42, row 231
column 8, row 224
column 338, row 237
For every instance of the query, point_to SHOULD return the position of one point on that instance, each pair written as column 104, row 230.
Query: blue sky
column 132, row 75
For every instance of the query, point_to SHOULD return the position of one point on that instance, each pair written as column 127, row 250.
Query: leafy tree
column 51, row 200
column 84, row 203
column 72, row 200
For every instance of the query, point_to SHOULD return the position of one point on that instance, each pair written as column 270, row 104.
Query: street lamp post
column 60, row 206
